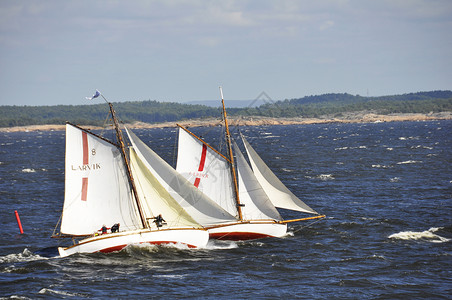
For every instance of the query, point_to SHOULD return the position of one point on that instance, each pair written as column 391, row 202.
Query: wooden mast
column 231, row 158
column 124, row 157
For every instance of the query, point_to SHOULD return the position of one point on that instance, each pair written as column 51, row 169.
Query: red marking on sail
column 202, row 162
column 197, row 180
column 84, row 188
column 85, row 148
column 203, row 158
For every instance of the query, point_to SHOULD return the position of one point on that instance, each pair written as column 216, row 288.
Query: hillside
column 335, row 105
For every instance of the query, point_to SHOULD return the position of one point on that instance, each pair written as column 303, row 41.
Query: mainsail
column 197, row 204
column 278, row 193
column 206, row 169
column 96, row 186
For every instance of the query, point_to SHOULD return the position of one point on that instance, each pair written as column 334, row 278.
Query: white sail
column 207, row 170
column 155, row 199
column 97, row 190
column 257, row 205
column 198, row 205
column 278, row 193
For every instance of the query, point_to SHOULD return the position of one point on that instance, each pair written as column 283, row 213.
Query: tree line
column 152, row 111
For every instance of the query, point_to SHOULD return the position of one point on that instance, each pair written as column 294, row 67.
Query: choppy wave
column 409, row 162
column 427, row 235
column 218, row 245
column 351, row 148
column 26, row 255
column 381, row 166
column 63, row 294
column 322, row 177
column 30, row 170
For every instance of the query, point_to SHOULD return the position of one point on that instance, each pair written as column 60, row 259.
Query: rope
column 312, row 223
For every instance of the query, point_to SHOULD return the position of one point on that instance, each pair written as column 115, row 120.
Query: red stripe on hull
column 237, row 236
column 120, row 247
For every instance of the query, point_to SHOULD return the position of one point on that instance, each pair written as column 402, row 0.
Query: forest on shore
column 152, row 111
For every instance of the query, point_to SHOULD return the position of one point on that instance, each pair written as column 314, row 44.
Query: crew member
column 115, row 228
column 159, row 220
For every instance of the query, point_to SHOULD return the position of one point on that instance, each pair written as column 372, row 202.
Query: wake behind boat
column 106, row 184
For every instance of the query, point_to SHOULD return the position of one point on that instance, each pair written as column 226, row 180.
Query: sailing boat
column 104, row 185
column 249, row 194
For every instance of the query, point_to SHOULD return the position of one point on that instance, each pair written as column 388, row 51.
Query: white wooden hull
column 247, row 231
column 193, row 238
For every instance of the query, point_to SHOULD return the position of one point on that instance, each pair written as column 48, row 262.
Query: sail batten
column 278, row 193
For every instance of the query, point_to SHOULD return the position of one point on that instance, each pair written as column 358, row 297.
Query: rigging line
column 107, row 119
column 312, row 223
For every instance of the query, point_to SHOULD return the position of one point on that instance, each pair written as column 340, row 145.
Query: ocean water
column 386, row 189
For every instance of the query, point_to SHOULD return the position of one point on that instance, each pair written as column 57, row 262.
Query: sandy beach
column 355, row 117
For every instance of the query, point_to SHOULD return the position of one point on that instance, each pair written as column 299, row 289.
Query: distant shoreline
column 355, row 117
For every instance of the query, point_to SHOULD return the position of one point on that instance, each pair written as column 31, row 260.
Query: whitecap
column 219, row 245
column 27, row 170
column 325, row 176
column 46, row 291
column 26, row 255
column 389, row 149
column 381, row 166
column 427, row 235
column 409, row 162
column 394, row 179
column 171, row 276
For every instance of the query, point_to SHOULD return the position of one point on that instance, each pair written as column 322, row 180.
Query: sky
column 59, row 52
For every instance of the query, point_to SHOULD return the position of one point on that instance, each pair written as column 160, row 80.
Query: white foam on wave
column 28, row 170
column 351, row 148
column 381, row 166
column 427, row 235
column 26, row 255
column 325, row 177
column 155, row 248
column 409, row 162
column 219, row 245
column 46, row 291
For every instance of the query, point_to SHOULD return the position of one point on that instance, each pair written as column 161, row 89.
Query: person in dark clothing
column 104, row 229
column 159, row 220
column 115, row 228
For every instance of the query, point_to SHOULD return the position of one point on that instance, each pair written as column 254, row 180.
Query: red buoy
column 18, row 222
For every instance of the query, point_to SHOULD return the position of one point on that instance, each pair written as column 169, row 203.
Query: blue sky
column 59, row 52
